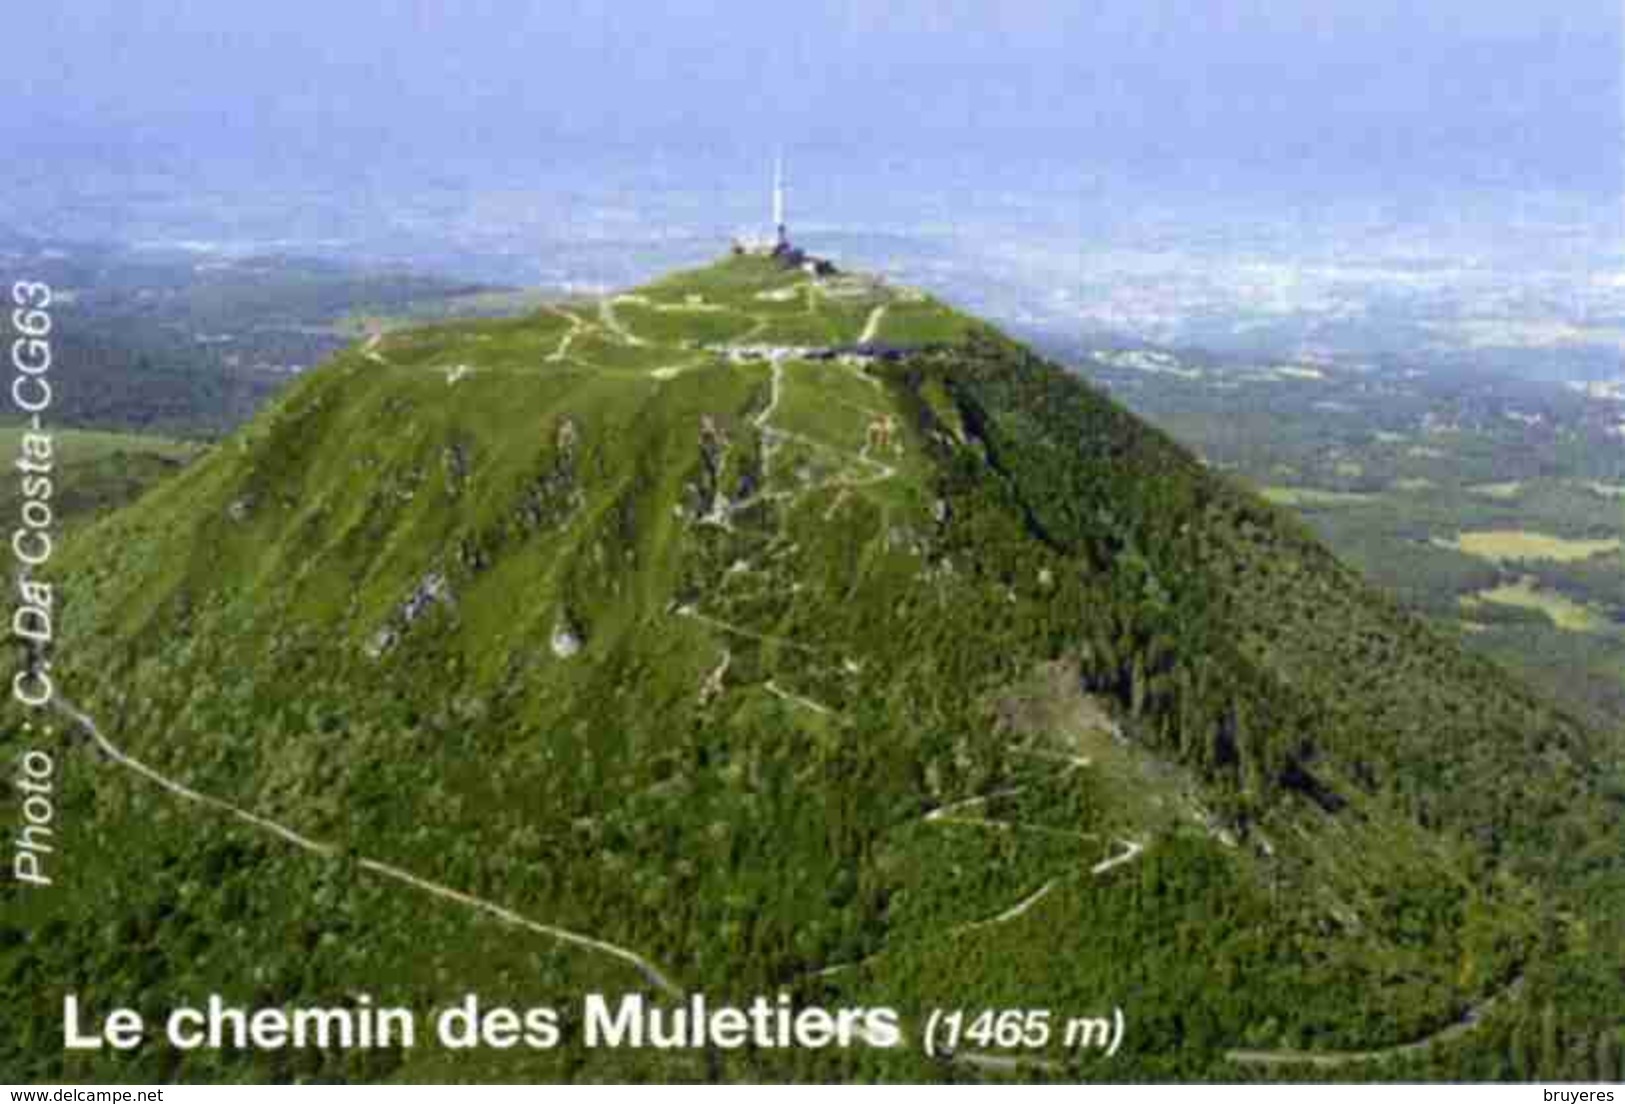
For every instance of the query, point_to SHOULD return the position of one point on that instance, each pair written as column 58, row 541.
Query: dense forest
column 1493, row 506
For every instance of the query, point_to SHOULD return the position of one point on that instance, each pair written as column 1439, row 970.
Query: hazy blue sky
column 1177, row 168
column 1469, row 91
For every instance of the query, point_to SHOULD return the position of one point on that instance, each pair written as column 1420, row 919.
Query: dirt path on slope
column 648, row 969
column 1468, row 1021
column 612, row 323
column 871, row 327
column 576, row 326
column 370, row 349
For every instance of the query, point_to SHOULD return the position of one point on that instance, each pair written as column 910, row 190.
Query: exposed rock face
column 567, row 640
column 382, row 641
column 454, row 463
column 710, row 500
column 564, row 439
column 556, row 493
column 434, row 589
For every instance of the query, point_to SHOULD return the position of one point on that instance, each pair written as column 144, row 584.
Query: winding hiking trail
column 871, row 327
column 649, row 970
column 370, row 349
column 576, row 326
column 880, row 472
column 740, row 630
column 948, row 814
column 606, row 314
column 672, row 371
column 1468, row 1021
column 1004, row 1063
column 796, row 699
column 769, row 433
column 772, row 436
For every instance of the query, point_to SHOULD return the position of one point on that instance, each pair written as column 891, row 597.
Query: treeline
column 1240, row 644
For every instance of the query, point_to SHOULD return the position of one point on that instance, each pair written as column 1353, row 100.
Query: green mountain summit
column 761, row 631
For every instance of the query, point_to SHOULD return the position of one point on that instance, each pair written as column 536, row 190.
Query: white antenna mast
column 778, row 200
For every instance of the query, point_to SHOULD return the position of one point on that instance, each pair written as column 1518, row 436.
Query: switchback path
column 649, row 970
column 576, row 326
column 1132, row 850
column 370, row 349
column 606, row 313
column 740, row 630
column 772, row 435
column 949, row 814
column 672, row 371
column 1014, row 911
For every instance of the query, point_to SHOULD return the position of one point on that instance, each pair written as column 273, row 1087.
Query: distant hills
column 187, row 343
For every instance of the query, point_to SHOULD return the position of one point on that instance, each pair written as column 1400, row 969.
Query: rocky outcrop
column 555, row 494
column 432, row 590
column 454, row 464
column 568, row 638
column 708, row 500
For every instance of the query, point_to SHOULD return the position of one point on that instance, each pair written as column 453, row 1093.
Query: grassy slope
column 734, row 774
column 97, row 472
